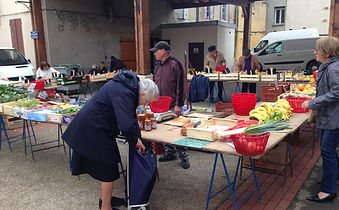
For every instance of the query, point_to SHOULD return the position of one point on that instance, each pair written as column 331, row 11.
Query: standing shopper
column 326, row 107
column 249, row 64
column 92, row 132
column 214, row 59
column 171, row 78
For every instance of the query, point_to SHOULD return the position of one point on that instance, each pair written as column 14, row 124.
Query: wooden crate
column 247, row 77
column 98, row 77
column 12, row 122
column 212, row 76
column 204, row 133
column 274, row 159
column 230, row 76
column 6, row 104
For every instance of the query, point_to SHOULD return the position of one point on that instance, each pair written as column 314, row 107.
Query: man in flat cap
column 248, row 63
column 171, row 78
column 214, row 59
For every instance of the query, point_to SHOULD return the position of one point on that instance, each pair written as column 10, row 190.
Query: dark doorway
column 196, row 55
column 16, row 34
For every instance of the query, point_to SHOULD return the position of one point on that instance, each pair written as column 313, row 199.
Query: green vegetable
column 276, row 116
column 27, row 103
column 70, row 110
column 264, row 128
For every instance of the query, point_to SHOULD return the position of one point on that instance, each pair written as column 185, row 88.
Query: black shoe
column 212, row 100
column 185, row 163
column 166, row 157
column 316, row 198
column 114, row 202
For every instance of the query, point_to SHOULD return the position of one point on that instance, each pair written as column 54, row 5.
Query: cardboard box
column 276, row 155
column 54, row 117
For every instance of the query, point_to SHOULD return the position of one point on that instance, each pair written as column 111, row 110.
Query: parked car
column 289, row 54
column 283, row 35
column 15, row 66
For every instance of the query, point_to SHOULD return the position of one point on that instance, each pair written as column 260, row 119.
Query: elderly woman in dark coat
column 92, row 132
column 326, row 107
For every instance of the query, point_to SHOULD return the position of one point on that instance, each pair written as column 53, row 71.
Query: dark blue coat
column 198, row 88
column 112, row 109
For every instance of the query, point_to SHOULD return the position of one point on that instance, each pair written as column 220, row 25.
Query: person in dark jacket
column 116, row 64
column 326, row 108
column 171, row 78
column 102, row 68
column 92, row 132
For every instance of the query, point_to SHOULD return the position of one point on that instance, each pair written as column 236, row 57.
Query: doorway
column 127, row 51
column 196, row 55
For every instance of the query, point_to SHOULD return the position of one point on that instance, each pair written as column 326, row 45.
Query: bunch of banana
column 268, row 107
column 259, row 113
column 284, row 107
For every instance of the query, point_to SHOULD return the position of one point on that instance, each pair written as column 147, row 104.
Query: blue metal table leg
column 229, row 182
column 255, row 178
column 30, row 140
column 30, row 122
column 2, row 127
column 236, row 172
column 212, row 178
column 24, row 136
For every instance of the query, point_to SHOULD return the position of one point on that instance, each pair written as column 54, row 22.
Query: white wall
column 309, row 14
column 80, row 31
column 226, row 44
column 9, row 10
column 210, row 35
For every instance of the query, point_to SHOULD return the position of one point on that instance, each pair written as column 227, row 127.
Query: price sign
column 31, row 87
column 43, row 95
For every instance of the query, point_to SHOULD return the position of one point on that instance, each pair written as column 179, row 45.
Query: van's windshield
column 11, row 57
column 261, row 45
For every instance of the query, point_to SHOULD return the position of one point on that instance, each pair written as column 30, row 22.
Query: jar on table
column 153, row 123
column 141, row 121
column 148, row 125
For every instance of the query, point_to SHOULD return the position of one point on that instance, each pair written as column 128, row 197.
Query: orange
column 301, row 87
column 312, row 80
column 296, row 89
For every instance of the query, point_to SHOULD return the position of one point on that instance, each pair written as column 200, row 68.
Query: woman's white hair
column 150, row 88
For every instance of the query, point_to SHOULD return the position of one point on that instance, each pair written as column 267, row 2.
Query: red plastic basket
column 243, row 103
column 250, row 145
column 223, row 107
column 162, row 104
column 296, row 102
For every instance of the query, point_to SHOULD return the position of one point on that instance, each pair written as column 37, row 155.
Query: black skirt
column 102, row 172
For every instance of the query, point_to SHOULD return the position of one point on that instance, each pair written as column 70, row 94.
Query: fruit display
column 304, row 89
column 266, row 110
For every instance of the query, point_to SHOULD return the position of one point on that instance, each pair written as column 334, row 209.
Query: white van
column 15, row 66
column 289, row 54
column 283, row 35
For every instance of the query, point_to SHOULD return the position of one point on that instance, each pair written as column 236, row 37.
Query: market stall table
column 170, row 134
